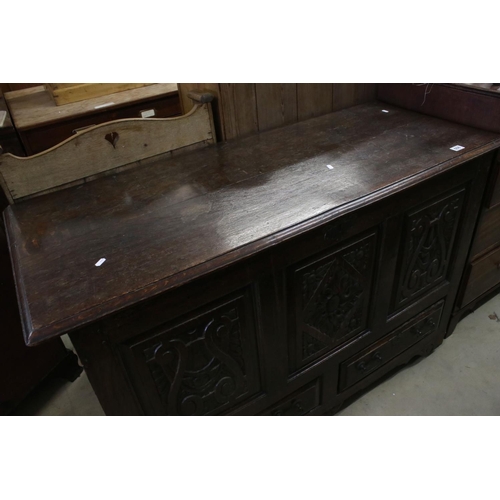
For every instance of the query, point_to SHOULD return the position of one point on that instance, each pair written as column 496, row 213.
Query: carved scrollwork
column 428, row 244
column 198, row 370
column 334, row 295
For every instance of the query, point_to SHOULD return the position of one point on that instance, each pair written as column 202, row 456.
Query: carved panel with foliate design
column 332, row 296
column 427, row 247
column 204, row 365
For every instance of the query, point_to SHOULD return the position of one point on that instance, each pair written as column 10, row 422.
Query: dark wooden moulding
column 278, row 274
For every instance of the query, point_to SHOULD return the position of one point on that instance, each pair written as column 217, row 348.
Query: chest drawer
column 358, row 367
column 483, row 274
column 488, row 232
column 494, row 198
column 299, row 403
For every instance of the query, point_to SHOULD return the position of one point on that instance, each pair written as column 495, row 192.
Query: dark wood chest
column 275, row 275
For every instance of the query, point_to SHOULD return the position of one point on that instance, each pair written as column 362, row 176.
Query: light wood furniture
column 66, row 93
column 278, row 274
column 105, row 148
column 41, row 124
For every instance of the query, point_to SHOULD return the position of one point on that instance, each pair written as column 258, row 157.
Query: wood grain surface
column 34, row 107
column 246, row 108
column 174, row 220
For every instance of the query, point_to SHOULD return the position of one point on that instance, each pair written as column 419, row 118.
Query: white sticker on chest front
column 457, row 148
column 100, row 262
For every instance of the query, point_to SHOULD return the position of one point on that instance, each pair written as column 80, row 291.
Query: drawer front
column 484, row 274
column 488, row 232
column 494, row 199
column 300, row 402
column 358, row 367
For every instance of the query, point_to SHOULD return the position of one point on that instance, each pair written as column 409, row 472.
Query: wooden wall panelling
column 365, row 92
column 314, row 99
column 276, row 104
column 470, row 106
column 187, row 103
column 244, row 108
column 344, row 95
column 239, row 109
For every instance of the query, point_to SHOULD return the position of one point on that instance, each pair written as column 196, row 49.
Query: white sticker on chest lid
column 457, row 148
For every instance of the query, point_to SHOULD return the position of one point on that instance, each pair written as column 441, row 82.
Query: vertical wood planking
column 187, row 103
column 246, row 108
column 365, row 92
column 344, row 95
column 239, row 109
column 313, row 99
column 276, row 104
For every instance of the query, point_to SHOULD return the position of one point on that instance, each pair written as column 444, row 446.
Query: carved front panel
column 331, row 299
column 427, row 247
column 204, row 365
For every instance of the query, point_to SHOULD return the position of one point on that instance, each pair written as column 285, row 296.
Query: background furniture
column 9, row 140
column 41, row 124
column 276, row 274
column 104, row 148
column 22, row 368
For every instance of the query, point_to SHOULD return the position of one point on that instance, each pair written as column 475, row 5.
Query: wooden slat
column 313, row 99
column 365, row 92
column 31, row 108
column 239, row 109
column 91, row 152
column 343, row 95
column 276, row 104
column 346, row 95
column 66, row 93
column 187, row 103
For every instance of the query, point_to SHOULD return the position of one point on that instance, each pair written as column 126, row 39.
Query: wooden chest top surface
column 167, row 222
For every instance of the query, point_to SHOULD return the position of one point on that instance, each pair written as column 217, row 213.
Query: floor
column 462, row 377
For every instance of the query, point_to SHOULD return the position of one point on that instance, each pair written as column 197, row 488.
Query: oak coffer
column 276, row 275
